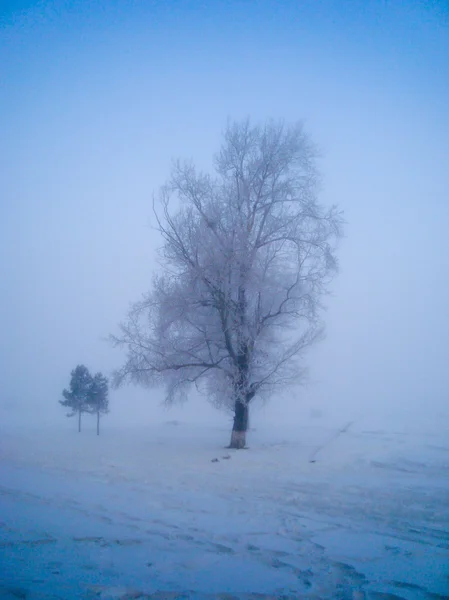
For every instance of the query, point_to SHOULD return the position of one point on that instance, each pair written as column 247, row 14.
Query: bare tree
column 247, row 256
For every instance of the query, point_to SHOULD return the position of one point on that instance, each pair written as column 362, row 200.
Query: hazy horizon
column 97, row 98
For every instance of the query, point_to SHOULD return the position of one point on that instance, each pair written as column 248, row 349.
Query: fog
column 96, row 99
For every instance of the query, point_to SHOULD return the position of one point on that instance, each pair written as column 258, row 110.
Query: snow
column 146, row 513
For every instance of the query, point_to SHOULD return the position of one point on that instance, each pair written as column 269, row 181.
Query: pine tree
column 77, row 397
column 98, row 397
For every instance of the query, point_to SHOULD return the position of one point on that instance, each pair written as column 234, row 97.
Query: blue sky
column 96, row 98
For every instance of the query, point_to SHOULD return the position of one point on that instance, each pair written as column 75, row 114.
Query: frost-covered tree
column 247, row 256
column 98, row 397
column 77, row 397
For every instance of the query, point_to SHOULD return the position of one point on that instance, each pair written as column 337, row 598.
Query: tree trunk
column 79, row 421
column 240, row 427
column 98, row 423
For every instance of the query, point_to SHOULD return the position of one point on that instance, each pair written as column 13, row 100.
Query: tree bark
column 98, row 423
column 240, row 427
column 79, row 421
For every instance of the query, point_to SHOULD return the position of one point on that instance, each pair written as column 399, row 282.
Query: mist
column 96, row 99
column 343, row 491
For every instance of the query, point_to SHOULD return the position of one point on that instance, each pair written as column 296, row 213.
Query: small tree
column 77, row 397
column 247, row 255
column 98, row 397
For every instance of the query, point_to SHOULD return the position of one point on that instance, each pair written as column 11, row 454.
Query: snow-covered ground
column 148, row 513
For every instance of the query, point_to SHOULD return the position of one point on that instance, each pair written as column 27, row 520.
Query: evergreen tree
column 78, row 396
column 98, row 397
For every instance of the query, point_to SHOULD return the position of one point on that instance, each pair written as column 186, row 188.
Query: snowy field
column 148, row 513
